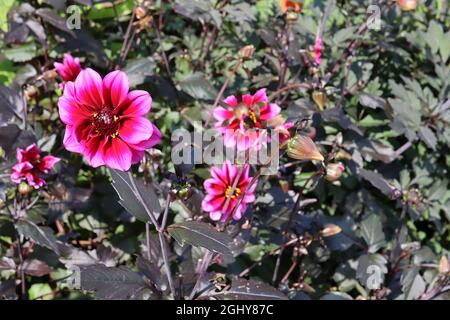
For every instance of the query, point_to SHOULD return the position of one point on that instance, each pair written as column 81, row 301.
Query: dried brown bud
column 334, row 171
column 49, row 75
column 407, row 5
column 444, row 266
column 24, row 188
column 291, row 16
column 246, row 52
column 330, row 230
column 30, row 91
column 342, row 154
column 302, row 147
column 320, row 98
column 2, row 203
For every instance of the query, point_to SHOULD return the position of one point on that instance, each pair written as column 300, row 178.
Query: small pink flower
column 245, row 123
column 318, row 48
column 31, row 166
column 105, row 121
column 219, row 187
column 69, row 68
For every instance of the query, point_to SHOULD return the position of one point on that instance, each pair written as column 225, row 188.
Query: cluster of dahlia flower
column 107, row 123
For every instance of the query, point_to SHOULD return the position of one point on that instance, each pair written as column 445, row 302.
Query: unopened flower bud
column 49, row 75
column 444, row 265
column 291, row 16
column 334, row 171
column 2, row 203
column 407, row 5
column 320, row 98
column 24, row 188
column 30, row 91
column 302, row 147
column 342, row 154
column 330, row 230
column 246, row 52
column 140, row 12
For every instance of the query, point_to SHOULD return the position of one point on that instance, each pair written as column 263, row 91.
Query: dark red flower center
column 105, row 123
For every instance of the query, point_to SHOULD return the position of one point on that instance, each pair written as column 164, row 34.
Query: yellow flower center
column 252, row 116
column 236, row 194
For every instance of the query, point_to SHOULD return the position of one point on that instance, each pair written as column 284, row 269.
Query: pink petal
column 70, row 142
column 222, row 114
column 269, row 111
column 139, row 104
column 215, row 216
column 247, row 99
column 260, row 96
column 214, row 187
column 231, row 101
column 117, row 154
column 47, row 163
column 89, row 88
column 137, row 155
column 94, row 151
column 115, row 88
column 136, row 130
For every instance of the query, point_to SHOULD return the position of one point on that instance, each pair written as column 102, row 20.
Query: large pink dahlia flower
column 245, row 123
column 219, row 187
column 31, row 166
column 105, row 121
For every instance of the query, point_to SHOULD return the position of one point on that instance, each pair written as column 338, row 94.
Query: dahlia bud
column 2, row 203
column 334, row 171
column 291, row 16
column 49, row 75
column 24, row 188
column 140, row 12
column 30, row 92
column 444, row 265
column 320, row 98
column 330, row 230
column 246, row 52
column 302, row 147
column 342, row 154
column 407, row 5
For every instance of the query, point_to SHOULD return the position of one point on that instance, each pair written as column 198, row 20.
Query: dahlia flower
column 31, row 166
column 318, row 48
column 219, row 188
column 105, row 121
column 69, row 68
column 245, row 123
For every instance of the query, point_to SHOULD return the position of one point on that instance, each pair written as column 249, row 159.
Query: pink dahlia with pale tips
column 69, row 68
column 31, row 166
column 219, row 188
column 105, row 121
column 244, row 123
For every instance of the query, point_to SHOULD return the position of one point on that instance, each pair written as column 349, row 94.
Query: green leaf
column 202, row 235
column 198, row 87
column 371, row 270
column 40, row 291
column 113, row 283
column 135, row 196
column 43, row 236
column 242, row 289
column 372, row 232
column 413, row 285
column 21, row 53
column 139, row 69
